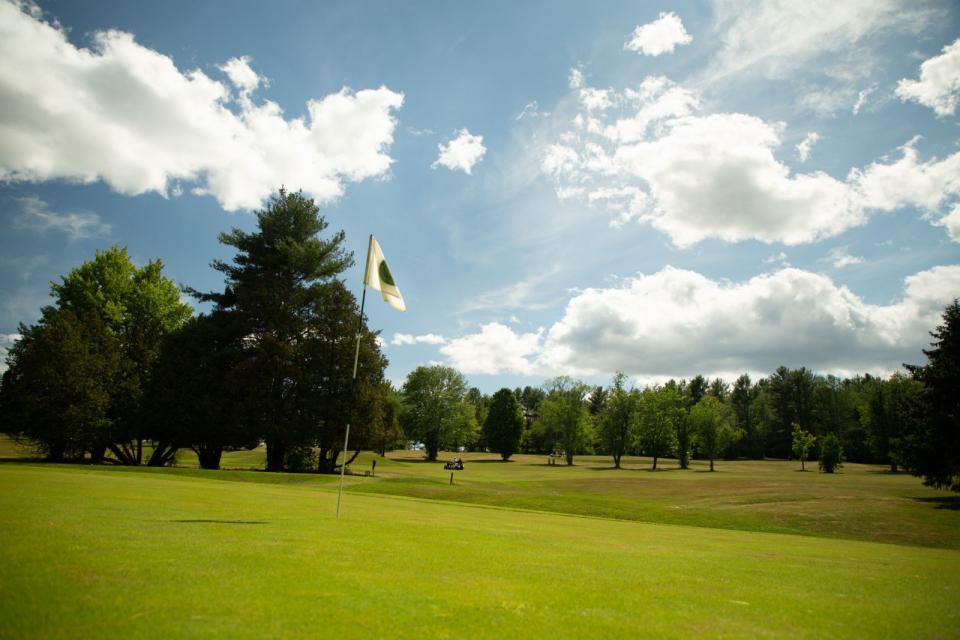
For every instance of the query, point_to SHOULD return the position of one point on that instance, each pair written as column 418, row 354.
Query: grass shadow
column 943, row 502
column 214, row 521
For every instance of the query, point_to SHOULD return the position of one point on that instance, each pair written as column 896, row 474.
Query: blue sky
column 559, row 187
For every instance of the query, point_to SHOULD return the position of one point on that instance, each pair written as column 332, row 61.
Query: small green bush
column 831, row 453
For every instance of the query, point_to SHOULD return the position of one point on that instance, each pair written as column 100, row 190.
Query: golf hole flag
column 378, row 277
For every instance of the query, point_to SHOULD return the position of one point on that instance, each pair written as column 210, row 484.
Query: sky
column 559, row 188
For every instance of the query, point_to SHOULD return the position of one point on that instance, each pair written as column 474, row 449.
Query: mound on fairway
column 92, row 552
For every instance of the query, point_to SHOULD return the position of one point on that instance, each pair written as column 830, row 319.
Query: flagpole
column 356, row 359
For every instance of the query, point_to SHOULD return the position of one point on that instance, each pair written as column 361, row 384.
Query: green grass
column 862, row 502
column 105, row 552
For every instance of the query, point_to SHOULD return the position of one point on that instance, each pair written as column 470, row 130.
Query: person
column 373, row 469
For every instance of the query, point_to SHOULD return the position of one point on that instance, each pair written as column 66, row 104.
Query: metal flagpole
column 356, row 359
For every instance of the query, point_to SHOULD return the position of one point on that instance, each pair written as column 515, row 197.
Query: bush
column 831, row 453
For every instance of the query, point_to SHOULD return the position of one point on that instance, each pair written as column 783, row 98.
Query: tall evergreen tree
column 931, row 449
column 278, row 286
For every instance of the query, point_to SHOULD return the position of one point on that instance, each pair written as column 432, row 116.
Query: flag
column 377, row 276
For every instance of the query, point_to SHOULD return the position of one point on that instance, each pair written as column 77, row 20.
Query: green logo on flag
column 385, row 276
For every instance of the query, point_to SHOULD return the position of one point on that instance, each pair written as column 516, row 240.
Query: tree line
column 119, row 370
column 907, row 420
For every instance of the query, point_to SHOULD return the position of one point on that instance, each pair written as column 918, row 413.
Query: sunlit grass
column 93, row 552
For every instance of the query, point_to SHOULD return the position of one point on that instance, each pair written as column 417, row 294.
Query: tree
column 503, row 427
column 831, row 453
column 890, row 408
column 677, row 402
column 437, row 413
column 802, row 443
column 741, row 401
column 53, row 393
column 713, row 423
column 323, row 389
column 565, row 412
column 109, row 316
column 618, row 420
column 197, row 395
column 278, row 286
column 387, row 433
column 931, row 449
column 658, row 416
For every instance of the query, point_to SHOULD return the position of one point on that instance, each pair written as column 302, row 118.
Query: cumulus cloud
column 660, row 36
column 655, row 157
column 462, row 152
column 803, row 148
column 679, row 323
column 952, row 223
column 400, row 339
column 939, row 83
column 241, row 74
column 126, row 114
column 495, row 349
column 35, row 214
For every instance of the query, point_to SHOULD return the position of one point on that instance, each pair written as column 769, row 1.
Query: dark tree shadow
column 943, row 502
column 212, row 521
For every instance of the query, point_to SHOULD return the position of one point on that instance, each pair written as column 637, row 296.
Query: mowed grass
column 861, row 502
column 100, row 552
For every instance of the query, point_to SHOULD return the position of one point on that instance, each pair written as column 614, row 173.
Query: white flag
column 377, row 276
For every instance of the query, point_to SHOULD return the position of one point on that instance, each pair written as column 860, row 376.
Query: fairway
column 93, row 551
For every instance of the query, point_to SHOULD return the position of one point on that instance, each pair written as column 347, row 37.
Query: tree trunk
column 616, row 460
column 97, row 451
column 569, row 459
column 209, row 456
column 163, row 454
column 276, row 450
column 654, row 463
column 711, row 464
column 801, row 465
column 139, row 450
column 893, row 467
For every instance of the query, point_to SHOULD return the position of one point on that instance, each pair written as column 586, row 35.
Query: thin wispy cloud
column 36, row 215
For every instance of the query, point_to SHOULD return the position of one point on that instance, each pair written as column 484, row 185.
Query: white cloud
column 840, row 258
column 241, row 74
column 657, row 159
column 523, row 294
column 952, row 223
column 774, row 38
column 125, row 114
column 717, row 328
column 531, row 110
column 791, row 317
column 862, row 99
column 803, row 149
column 939, row 83
column 660, row 36
column 36, row 214
column 908, row 181
column 495, row 349
column 6, row 341
column 462, row 152
column 575, row 79
column 400, row 339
